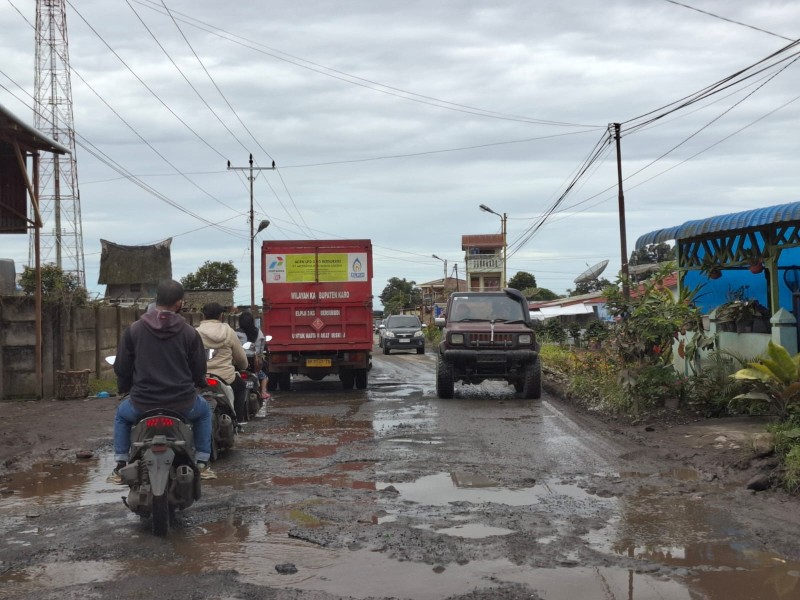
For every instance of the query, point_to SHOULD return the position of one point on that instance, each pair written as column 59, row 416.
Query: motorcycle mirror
column 110, row 359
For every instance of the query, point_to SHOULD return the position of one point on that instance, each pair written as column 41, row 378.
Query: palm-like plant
column 774, row 381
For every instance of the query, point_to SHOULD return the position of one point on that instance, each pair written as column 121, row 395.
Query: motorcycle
column 161, row 472
column 219, row 396
column 255, row 402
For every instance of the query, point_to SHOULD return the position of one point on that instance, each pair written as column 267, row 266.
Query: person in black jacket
column 160, row 363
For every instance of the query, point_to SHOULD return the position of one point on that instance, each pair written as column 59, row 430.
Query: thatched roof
column 135, row 264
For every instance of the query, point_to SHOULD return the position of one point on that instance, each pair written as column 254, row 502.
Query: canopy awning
column 748, row 219
column 544, row 312
column 13, row 128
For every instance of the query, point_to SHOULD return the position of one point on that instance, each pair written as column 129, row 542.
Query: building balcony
column 484, row 263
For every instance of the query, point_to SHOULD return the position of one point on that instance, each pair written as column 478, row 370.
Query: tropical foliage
column 58, row 287
column 212, row 275
column 773, row 382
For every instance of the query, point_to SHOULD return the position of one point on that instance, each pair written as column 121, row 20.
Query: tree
column 213, row 275
column 400, row 294
column 536, row 293
column 587, row 287
column 522, row 281
column 58, row 287
column 654, row 253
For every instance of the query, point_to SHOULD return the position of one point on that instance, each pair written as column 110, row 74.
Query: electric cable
column 354, row 80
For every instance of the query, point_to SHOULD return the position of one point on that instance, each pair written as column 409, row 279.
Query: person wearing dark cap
column 160, row 363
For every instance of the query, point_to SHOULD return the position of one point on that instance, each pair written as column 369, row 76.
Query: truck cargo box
column 318, row 309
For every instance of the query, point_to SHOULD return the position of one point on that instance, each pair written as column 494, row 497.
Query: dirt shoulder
column 35, row 431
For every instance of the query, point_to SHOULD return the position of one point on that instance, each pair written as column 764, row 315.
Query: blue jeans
column 199, row 416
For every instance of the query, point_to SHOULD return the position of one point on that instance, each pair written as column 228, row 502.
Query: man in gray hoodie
column 160, row 363
column 229, row 356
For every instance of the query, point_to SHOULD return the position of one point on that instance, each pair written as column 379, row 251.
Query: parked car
column 402, row 332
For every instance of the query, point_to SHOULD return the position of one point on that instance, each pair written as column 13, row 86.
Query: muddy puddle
column 53, row 482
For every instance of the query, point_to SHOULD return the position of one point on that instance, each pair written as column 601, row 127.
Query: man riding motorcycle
column 160, row 363
column 229, row 356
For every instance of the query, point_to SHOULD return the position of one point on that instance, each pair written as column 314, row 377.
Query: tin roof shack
column 132, row 273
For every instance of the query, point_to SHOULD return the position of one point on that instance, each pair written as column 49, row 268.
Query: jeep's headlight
column 457, row 339
column 389, row 334
column 418, row 333
column 526, row 339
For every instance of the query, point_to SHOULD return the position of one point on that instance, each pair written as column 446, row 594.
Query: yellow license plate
column 318, row 362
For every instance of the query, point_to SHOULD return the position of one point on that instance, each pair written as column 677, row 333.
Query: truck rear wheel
column 361, row 379
column 284, row 381
column 347, row 378
column 445, row 386
column 272, row 382
column 532, row 388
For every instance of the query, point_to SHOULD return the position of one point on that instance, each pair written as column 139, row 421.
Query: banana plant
column 774, row 380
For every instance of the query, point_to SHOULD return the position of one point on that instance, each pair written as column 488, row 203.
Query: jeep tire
column 532, row 386
column 444, row 379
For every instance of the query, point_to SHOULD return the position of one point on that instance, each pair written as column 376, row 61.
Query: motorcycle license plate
column 318, row 362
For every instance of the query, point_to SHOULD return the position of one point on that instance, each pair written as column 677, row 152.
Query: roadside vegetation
column 625, row 369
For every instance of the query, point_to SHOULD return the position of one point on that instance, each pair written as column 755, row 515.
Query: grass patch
column 102, row 385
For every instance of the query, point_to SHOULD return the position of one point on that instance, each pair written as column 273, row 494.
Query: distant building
column 131, row 273
column 483, row 255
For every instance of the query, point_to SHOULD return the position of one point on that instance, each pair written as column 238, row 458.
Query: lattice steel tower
column 60, row 205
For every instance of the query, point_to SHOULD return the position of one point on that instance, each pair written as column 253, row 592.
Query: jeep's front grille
column 484, row 340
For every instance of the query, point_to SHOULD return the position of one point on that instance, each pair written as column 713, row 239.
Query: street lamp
column 444, row 279
column 503, row 219
column 261, row 227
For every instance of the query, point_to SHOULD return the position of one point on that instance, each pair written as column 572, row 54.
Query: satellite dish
column 592, row 272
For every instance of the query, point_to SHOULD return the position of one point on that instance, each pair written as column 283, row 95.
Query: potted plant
column 740, row 316
column 710, row 267
column 755, row 260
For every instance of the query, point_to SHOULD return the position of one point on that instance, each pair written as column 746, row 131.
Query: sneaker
column 205, row 471
column 115, row 478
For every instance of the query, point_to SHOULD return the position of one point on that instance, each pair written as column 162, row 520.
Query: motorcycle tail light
column 243, row 374
column 158, row 448
column 211, row 382
column 160, row 422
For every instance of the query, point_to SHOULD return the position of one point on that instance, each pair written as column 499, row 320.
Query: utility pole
column 251, row 177
column 626, row 291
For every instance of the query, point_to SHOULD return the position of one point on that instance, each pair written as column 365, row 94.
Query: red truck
column 318, row 310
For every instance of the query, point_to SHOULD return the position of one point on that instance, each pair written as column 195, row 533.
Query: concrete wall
column 73, row 340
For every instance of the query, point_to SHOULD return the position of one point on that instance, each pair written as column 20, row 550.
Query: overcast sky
column 394, row 122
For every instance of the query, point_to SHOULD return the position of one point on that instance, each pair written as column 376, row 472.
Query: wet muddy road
column 393, row 493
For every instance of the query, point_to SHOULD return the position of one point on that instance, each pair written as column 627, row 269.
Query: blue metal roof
column 749, row 219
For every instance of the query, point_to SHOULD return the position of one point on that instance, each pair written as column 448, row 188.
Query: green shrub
column 433, row 335
column 102, row 385
column 553, row 332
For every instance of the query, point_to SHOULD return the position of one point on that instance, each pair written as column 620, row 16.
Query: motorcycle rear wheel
column 161, row 515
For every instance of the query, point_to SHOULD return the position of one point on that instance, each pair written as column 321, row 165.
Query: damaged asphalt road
column 393, row 493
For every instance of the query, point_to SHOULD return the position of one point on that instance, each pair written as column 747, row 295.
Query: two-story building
column 483, row 256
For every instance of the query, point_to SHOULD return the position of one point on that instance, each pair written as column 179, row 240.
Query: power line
column 710, row 14
column 360, row 81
